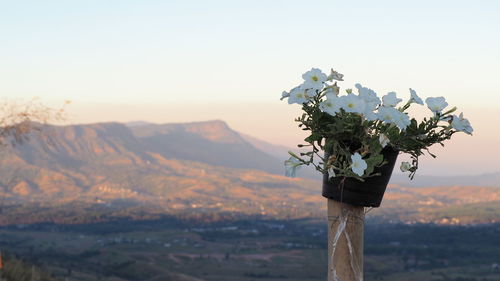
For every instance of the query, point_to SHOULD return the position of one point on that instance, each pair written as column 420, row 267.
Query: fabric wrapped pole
column 345, row 241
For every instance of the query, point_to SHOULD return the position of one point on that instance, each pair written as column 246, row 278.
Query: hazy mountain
column 281, row 152
column 137, row 123
column 104, row 171
column 64, row 161
column 491, row 179
column 106, row 164
column 211, row 142
column 278, row 151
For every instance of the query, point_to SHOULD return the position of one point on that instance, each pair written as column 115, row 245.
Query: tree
column 19, row 119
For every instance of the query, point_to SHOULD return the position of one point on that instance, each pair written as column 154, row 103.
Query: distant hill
column 214, row 143
column 278, row 151
column 204, row 170
column 103, row 167
column 440, row 205
column 491, row 179
column 211, row 142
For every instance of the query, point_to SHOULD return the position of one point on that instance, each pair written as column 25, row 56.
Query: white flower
column 436, row 104
column 358, row 164
column 371, row 100
column 391, row 99
column 284, row 95
column 384, row 140
column 334, row 75
column 387, row 114
column 310, row 93
column 405, row 167
column 333, row 89
column 369, row 96
column 370, row 115
column 414, row 98
column 460, row 123
column 331, row 172
column 352, row 103
column 393, row 116
column 313, row 79
column 331, row 105
column 291, row 166
column 298, row 95
column 402, row 120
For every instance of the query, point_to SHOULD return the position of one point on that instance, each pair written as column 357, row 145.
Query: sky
column 182, row 61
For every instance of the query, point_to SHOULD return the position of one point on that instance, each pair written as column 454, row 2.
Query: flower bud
column 405, row 167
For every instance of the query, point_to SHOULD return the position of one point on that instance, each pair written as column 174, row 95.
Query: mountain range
column 204, row 170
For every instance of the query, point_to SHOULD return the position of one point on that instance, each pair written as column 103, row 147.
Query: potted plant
column 355, row 136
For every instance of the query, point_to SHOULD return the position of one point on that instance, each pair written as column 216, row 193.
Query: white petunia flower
column 405, row 167
column 387, row 114
column 352, row 103
column 370, row 115
column 358, row 164
column 310, row 93
column 371, row 100
column 384, row 140
column 414, row 98
column 291, row 166
column 436, row 104
column 298, row 95
column 331, row 172
column 334, row 75
column 333, row 89
column 369, row 96
column 284, row 95
column 460, row 123
column 314, row 79
column 331, row 95
column 390, row 100
column 393, row 116
column 402, row 120
column 331, row 105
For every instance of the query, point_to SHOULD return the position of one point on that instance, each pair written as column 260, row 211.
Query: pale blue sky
column 165, row 51
column 167, row 61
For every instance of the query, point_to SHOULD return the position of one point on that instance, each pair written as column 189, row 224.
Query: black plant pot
column 368, row 193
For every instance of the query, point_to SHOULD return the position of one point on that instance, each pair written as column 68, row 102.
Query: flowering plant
column 354, row 129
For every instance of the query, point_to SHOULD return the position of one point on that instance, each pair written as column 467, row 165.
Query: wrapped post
column 345, row 241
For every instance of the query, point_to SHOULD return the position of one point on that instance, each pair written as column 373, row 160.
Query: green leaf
column 375, row 146
column 313, row 137
column 329, row 145
column 372, row 162
column 375, row 160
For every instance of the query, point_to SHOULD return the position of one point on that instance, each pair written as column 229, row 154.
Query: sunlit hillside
column 102, row 172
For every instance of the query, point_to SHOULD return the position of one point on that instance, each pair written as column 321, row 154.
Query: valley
column 170, row 249
column 197, row 201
